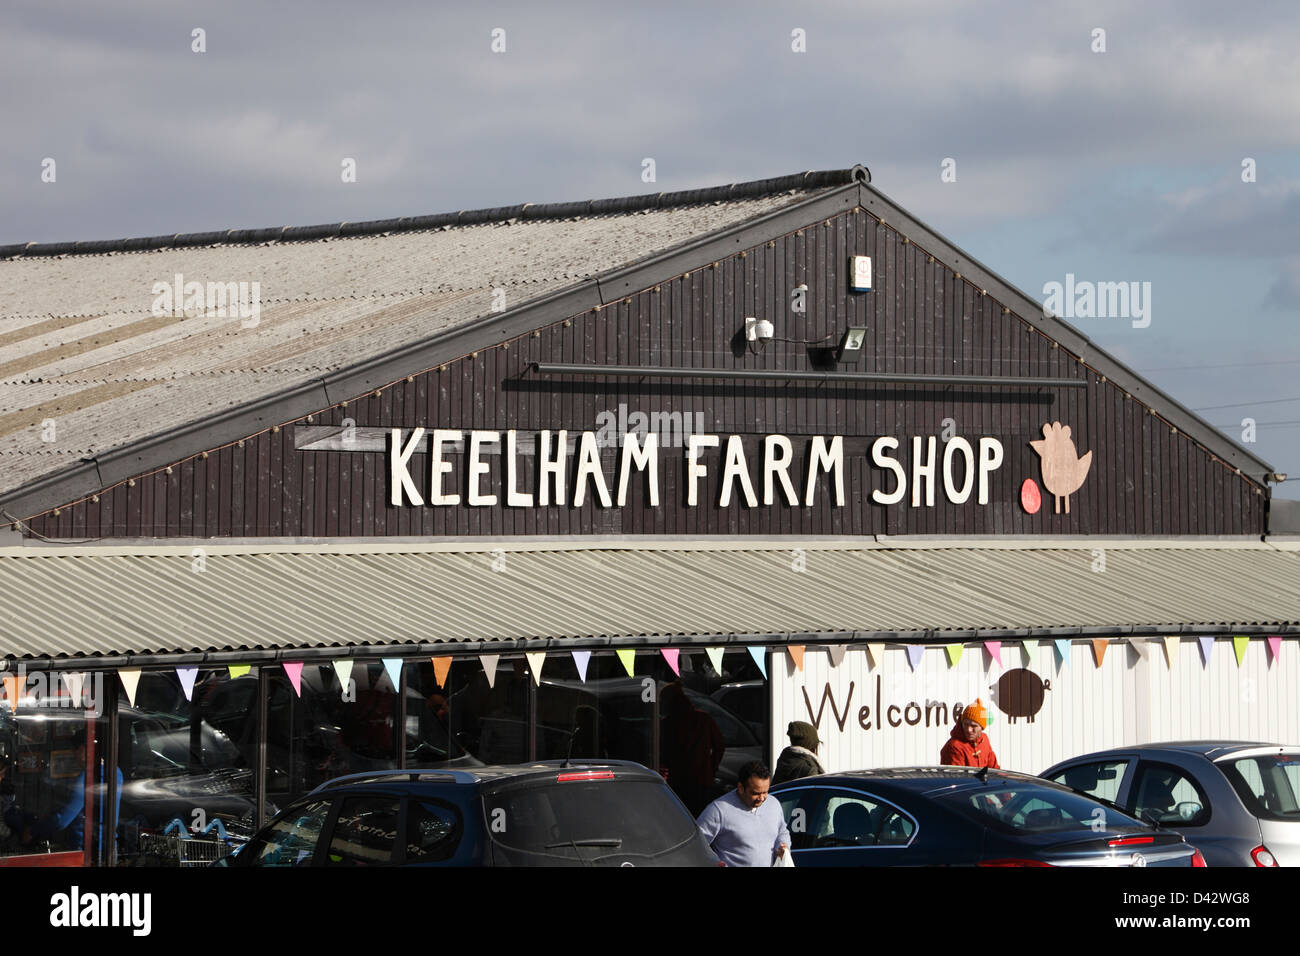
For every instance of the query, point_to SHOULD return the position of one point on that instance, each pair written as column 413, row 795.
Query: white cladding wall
column 1125, row 701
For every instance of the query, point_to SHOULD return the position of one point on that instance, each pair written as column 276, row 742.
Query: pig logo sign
column 1020, row 693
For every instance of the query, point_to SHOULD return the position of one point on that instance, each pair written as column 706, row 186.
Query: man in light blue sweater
column 744, row 827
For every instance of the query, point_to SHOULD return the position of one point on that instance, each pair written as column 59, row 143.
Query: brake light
column 1013, row 863
column 585, row 775
column 1262, row 857
column 1129, row 841
column 1197, row 859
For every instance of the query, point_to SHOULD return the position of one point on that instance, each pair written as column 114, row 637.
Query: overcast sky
column 1117, row 165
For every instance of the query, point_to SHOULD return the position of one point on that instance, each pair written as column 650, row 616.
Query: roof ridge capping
column 812, row 179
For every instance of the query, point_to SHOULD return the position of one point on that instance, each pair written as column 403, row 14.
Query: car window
column 365, row 832
column 292, row 840
column 586, row 819
column 1169, row 796
column 1019, row 808
column 1100, row 778
column 432, row 831
column 827, row 818
column 1269, row 784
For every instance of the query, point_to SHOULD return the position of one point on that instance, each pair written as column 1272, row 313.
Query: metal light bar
column 768, row 375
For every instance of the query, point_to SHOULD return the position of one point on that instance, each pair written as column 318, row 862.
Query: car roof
column 1210, row 749
column 919, row 780
column 486, row 774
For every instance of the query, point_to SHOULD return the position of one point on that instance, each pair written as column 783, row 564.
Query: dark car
column 1238, row 802
column 960, row 816
column 607, row 813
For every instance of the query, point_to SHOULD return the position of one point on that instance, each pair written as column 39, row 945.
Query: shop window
column 53, row 767
column 330, row 730
column 365, row 832
column 187, row 765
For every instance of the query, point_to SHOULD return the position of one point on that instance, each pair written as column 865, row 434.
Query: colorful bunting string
column 1239, row 644
column 294, row 670
column 130, row 681
column 186, row 675
column 489, row 662
column 995, row 650
column 580, row 660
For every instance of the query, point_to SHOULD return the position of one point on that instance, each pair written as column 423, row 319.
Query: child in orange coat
column 968, row 745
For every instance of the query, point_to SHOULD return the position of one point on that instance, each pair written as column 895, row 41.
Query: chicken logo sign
column 1063, row 469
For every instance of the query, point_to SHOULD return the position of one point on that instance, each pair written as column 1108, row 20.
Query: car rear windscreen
column 1268, row 784
column 588, row 819
column 1027, row 809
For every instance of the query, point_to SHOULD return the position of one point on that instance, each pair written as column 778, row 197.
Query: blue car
column 551, row 813
column 960, row 816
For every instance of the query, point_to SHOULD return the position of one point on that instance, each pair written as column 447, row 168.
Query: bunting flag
column 1239, row 643
column 914, row 652
column 580, row 660
column 130, row 680
column 186, row 675
column 1029, row 646
column 343, row 668
column 836, row 651
column 1099, row 646
column 1207, row 648
column 954, row 653
column 760, row 658
column 489, row 662
column 535, row 661
column 442, row 667
column 294, row 670
column 1063, row 650
column 876, row 651
column 670, row 655
column 1141, row 647
column 239, row 670
column 393, row 667
column 75, row 681
column 715, row 658
column 1171, row 649
column 628, row 656
column 796, row 655
column 11, row 692
column 1275, row 645
column 995, row 650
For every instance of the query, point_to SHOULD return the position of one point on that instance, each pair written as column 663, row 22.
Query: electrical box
column 860, row 274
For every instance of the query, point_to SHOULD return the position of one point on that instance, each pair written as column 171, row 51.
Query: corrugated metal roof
column 63, row 603
column 79, row 342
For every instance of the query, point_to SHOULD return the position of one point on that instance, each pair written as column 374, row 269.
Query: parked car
column 553, row 813
column 960, row 816
column 1238, row 802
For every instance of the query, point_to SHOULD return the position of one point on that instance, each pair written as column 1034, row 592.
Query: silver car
column 1238, row 803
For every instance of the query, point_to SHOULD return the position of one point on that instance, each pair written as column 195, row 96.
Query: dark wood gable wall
column 1146, row 478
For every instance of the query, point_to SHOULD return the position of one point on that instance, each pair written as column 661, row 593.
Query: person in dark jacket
column 800, row 758
column 968, row 745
